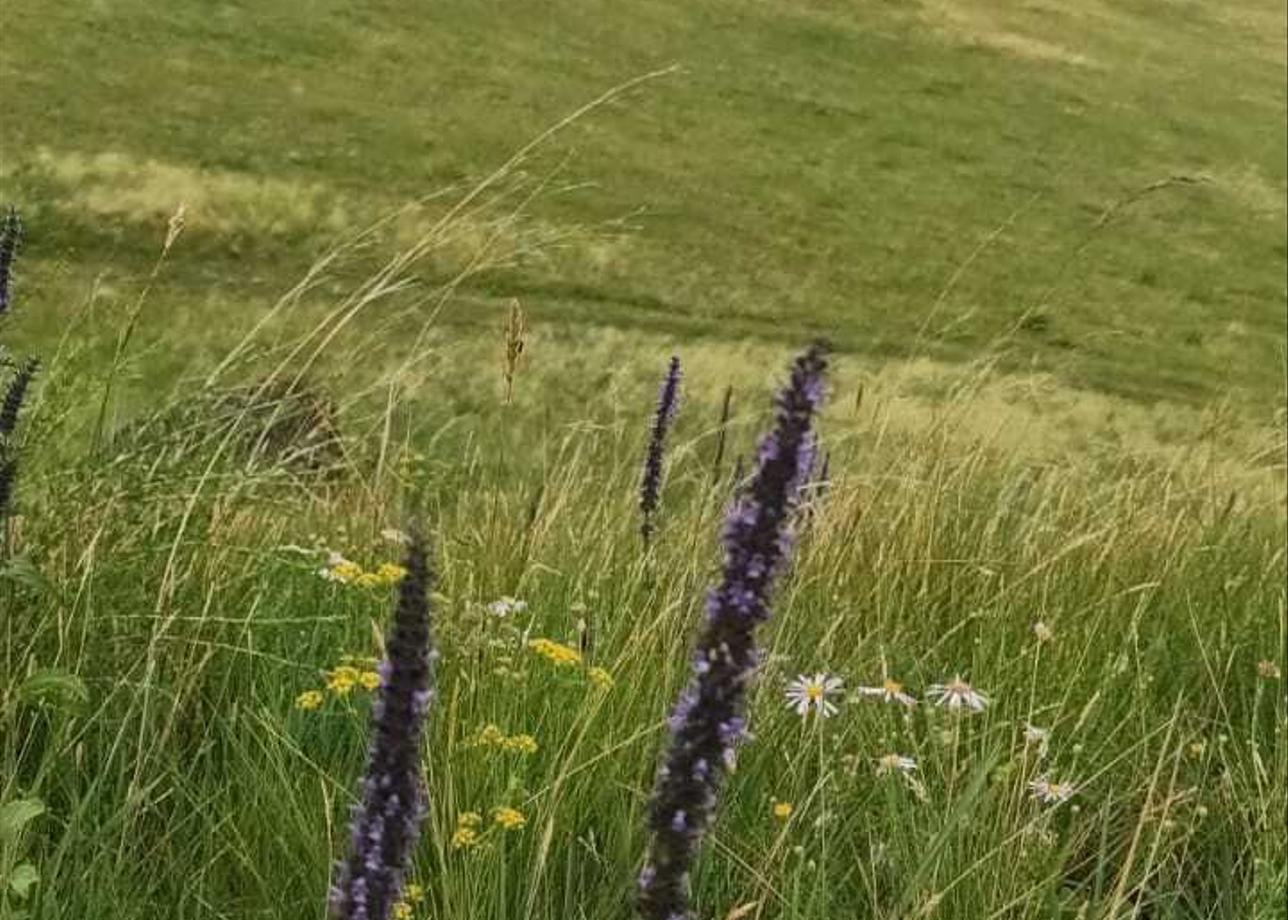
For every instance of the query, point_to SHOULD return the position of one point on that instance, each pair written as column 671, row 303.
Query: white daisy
column 1042, row 632
column 806, row 693
column 895, row 763
column 1049, row 793
column 890, row 691
column 504, row 606
column 957, row 693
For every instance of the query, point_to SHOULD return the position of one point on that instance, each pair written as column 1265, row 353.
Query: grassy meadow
column 269, row 259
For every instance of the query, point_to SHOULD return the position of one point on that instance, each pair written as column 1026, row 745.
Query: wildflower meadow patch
column 514, row 548
column 958, row 691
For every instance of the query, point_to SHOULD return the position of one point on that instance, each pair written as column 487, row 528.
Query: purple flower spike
column 14, row 396
column 707, row 722
column 10, row 239
column 386, row 823
column 651, row 484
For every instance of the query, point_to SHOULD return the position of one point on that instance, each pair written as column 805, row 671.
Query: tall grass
column 181, row 589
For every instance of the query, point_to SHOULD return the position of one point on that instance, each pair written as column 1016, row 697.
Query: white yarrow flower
column 957, row 694
column 811, row 693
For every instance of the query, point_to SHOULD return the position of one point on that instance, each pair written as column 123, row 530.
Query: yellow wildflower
column 367, row 580
column 467, row 830
column 489, row 736
column 509, row 818
column 600, row 678
column 370, row 680
column 492, row 736
column 554, row 652
column 390, row 572
column 309, row 699
column 521, row 744
column 342, row 679
column 465, row 838
column 782, row 810
column 402, row 910
column 346, row 571
column 469, row 819
column 414, row 893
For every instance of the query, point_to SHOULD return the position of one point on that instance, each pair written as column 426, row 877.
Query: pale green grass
column 911, row 178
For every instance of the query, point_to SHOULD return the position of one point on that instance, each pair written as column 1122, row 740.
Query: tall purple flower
column 10, row 239
column 14, row 396
column 708, row 720
column 386, row 823
column 651, row 484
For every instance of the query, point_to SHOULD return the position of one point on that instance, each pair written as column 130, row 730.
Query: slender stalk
column 721, row 431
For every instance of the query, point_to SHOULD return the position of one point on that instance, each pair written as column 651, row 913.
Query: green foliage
column 54, row 688
column 17, row 876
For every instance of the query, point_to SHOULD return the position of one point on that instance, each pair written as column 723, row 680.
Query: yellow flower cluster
column 345, row 677
column 412, row 895
column 492, row 736
column 565, row 656
column 467, row 836
column 556, row 653
column 600, row 678
column 340, row 681
column 309, row 699
column 469, row 826
column 510, row 819
column 348, row 572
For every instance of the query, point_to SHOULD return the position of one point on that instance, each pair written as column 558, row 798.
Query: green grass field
column 1049, row 245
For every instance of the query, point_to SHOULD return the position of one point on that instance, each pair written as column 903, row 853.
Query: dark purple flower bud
column 10, row 240
column 8, row 470
column 707, row 722
column 14, row 395
column 651, row 484
column 386, row 823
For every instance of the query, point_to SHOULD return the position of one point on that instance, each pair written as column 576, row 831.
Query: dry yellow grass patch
column 976, row 25
column 1248, row 186
column 146, row 190
column 495, row 231
column 1023, row 417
